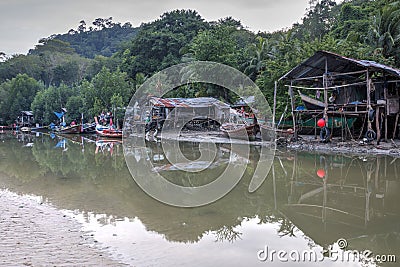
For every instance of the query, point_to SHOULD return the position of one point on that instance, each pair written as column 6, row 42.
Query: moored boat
column 107, row 130
column 72, row 129
column 307, row 126
column 240, row 131
column 311, row 103
column 88, row 128
column 268, row 134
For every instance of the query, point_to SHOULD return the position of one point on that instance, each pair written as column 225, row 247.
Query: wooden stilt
column 395, row 126
column 315, row 127
column 293, row 117
column 369, row 127
column 378, row 128
column 385, row 92
column 274, row 109
column 325, row 83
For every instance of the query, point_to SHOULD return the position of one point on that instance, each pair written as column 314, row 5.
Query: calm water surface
column 356, row 199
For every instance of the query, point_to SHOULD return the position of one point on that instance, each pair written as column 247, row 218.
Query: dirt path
column 34, row 234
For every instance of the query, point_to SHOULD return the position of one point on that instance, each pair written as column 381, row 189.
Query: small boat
column 26, row 129
column 240, row 131
column 311, row 103
column 72, row 129
column 268, row 134
column 307, row 125
column 88, row 128
column 107, row 130
column 40, row 129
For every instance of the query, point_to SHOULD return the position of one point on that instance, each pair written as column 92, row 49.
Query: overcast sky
column 24, row 22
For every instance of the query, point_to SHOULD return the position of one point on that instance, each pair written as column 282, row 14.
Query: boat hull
column 106, row 131
column 311, row 103
column 307, row 126
column 74, row 129
column 243, row 132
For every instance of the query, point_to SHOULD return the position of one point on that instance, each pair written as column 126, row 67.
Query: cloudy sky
column 24, row 22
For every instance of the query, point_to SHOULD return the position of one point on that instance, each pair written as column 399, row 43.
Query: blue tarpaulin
column 59, row 114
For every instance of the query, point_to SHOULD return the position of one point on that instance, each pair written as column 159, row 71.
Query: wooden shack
column 333, row 86
column 25, row 119
column 200, row 113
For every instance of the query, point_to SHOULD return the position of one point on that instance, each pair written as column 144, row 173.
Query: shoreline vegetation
column 99, row 66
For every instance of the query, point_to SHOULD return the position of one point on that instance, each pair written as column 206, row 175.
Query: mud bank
column 37, row 234
column 308, row 143
column 305, row 143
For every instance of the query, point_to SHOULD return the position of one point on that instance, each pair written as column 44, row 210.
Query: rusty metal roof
column 315, row 66
column 188, row 102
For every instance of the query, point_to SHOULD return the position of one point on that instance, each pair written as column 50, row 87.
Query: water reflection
column 307, row 201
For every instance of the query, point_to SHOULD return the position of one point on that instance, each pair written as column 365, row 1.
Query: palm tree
column 261, row 50
column 386, row 30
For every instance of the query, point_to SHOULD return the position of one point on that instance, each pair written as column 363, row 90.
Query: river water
column 308, row 209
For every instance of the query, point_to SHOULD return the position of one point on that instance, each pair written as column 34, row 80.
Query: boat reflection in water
column 308, row 201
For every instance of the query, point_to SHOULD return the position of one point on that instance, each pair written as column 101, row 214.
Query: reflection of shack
column 343, row 90
column 25, row 119
column 202, row 113
column 355, row 198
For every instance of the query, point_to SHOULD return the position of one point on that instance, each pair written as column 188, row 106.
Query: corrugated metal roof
column 188, row 102
column 27, row 113
column 315, row 66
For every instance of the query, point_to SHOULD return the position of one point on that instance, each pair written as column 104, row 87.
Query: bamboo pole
column 378, row 129
column 325, row 83
column 395, row 125
column 274, row 108
column 385, row 91
column 369, row 127
column 328, row 87
column 293, row 117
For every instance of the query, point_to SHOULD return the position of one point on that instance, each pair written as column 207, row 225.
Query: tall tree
column 17, row 95
column 159, row 44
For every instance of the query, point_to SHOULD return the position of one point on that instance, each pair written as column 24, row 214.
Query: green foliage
column 158, row 44
column 16, row 96
column 51, row 99
column 104, row 39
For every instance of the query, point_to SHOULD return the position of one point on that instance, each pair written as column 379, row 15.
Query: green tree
column 17, row 95
column 51, row 99
column 159, row 44
column 98, row 94
column 385, row 30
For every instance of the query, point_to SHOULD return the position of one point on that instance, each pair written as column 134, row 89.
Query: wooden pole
column 369, row 127
column 395, row 126
column 377, row 124
column 325, row 84
column 385, row 92
column 315, row 127
column 293, row 117
column 274, row 108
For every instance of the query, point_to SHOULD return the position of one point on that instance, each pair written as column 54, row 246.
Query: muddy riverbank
column 37, row 234
column 310, row 144
column 305, row 143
